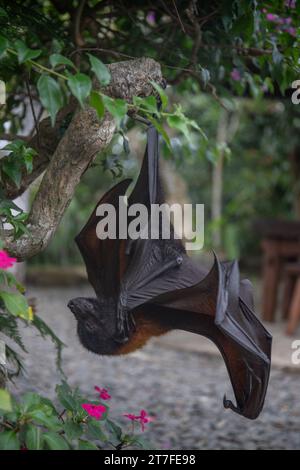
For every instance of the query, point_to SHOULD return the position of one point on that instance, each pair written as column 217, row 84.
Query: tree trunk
column 217, row 183
column 74, row 153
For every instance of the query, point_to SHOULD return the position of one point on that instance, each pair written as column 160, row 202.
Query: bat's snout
column 72, row 305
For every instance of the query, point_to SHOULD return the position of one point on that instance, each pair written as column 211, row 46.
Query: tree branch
column 49, row 139
column 83, row 139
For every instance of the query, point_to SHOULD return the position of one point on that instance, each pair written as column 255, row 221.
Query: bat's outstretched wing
column 103, row 258
column 155, row 266
column 220, row 308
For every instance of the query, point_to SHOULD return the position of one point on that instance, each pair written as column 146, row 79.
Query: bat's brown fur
column 147, row 325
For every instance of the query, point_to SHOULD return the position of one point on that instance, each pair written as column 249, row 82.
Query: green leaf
column 161, row 130
column 33, row 438
column 55, row 441
column 46, row 332
column 117, row 107
column 25, row 53
column 179, row 123
column 14, row 146
column 3, row 45
column 68, row 398
column 80, row 86
column 58, row 59
column 94, row 431
column 148, row 104
column 15, row 303
column 3, row 13
column 182, row 123
column 5, row 400
column 28, row 160
column 12, row 168
column 97, row 103
column 115, row 430
column 86, row 445
column 9, row 440
column 162, row 94
column 100, row 70
column 7, row 204
column 51, row 95
column 44, row 415
column 72, row 430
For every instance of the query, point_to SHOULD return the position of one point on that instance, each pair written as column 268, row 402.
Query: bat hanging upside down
column 147, row 287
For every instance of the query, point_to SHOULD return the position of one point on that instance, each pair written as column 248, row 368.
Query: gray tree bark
column 66, row 159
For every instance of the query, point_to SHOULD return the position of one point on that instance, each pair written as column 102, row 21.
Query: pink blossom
column 143, row 418
column 235, row 75
column 290, row 3
column 131, row 417
column 272, row 17
column 5, row 260
column 103, row 393
column 292, row 31
column 95, row 411
column 151, row 18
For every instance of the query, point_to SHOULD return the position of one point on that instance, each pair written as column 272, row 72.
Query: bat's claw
column 125, row 325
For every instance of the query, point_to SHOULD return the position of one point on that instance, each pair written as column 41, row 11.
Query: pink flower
column 5, row 260
column 290, row 3
column 151, row 18
column 143, row 418
column 272, row 17
column 235, row 75
column 95, row 411
column 292, row 31
column 131, row 417
column 103, row 393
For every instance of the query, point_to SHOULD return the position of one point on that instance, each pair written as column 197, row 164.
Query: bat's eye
column 90, row 326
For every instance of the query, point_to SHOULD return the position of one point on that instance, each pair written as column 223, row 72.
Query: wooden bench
column 291, row 297
column 280, row 245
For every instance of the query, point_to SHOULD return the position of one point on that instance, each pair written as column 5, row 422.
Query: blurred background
column 247, row 177
column 230, row 66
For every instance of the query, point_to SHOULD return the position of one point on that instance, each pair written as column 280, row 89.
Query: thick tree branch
column 83, row 139
column 49, row 139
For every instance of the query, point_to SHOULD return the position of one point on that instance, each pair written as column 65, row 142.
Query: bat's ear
column 82, row 306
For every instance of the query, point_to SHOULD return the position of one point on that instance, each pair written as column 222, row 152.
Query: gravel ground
column 183, row 390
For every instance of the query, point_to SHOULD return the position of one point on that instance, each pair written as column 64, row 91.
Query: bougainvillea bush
column 72, row 423
column 15, row 308
column 33, row 422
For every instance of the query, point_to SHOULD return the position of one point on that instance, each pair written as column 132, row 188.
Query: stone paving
column 182, row 386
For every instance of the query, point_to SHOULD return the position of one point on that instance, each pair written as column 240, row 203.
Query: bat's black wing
column 220, row 308
column 218, row 305
column 158, row 274
column 104, row 259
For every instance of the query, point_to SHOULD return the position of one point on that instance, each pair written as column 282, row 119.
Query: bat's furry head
column 96, row 325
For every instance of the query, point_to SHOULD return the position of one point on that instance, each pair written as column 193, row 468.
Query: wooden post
column 271, row 276
column 294, row 313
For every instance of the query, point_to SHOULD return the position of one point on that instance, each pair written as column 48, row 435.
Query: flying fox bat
column 147, row 287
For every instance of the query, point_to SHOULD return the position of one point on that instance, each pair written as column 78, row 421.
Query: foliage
column 258, row 181
column 232, row 48
column 36, row 423
column 15, row 308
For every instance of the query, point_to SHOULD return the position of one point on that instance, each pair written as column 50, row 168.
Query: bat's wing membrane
column 219, row 307
column 103, row 258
